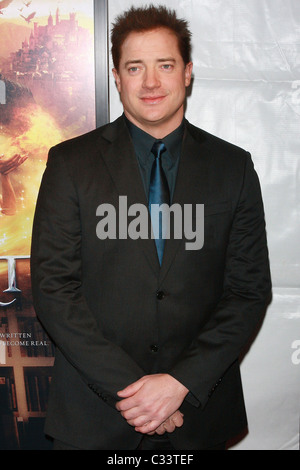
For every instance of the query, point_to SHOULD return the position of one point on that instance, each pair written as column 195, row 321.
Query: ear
column 188, row 73
column 117, row 79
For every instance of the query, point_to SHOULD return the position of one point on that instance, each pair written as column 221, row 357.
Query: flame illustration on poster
column 46, row 96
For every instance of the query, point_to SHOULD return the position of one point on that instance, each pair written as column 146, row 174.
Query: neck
column 158, row 129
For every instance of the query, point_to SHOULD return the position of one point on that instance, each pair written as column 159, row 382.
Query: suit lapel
column 120, row 160
column 119, row 157
column 189, row 189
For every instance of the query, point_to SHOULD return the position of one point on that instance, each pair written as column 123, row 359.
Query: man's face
column 152, row 80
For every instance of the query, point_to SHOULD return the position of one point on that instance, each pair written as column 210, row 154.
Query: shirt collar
column 143, row 141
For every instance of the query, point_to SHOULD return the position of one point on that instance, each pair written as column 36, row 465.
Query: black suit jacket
column 116, row 315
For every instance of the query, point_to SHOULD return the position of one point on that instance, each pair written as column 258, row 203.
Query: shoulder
column 89, row 142
column 221, row 158
column 83, row 154
column 214, row 143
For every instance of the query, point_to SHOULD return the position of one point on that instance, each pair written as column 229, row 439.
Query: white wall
column 247, row 90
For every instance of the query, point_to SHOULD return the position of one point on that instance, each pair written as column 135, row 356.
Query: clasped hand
column 151, row 404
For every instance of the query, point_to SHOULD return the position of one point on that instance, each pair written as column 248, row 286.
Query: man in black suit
column 148, row 337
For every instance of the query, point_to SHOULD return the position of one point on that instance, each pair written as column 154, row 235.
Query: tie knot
column 157, row 148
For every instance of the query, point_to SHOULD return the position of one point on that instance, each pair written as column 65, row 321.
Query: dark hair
column 145, row 19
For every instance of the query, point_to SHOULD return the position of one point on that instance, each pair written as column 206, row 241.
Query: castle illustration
column 54, row 50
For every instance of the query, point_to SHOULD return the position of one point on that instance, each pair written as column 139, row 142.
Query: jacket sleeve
column 57, row 289
column 246, row 294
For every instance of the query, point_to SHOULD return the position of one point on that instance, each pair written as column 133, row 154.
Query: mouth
column 151, row 100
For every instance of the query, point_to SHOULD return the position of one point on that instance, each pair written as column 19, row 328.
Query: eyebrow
column 140, row 61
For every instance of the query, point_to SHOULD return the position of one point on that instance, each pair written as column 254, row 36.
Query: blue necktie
column 158, row 194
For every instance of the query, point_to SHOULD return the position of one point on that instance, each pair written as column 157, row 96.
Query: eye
column 167, row 67
column 133, row 69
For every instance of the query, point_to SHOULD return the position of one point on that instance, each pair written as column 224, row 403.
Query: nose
column 151, row 79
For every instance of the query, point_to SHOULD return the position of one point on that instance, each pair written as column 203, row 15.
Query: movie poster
column 47, row 95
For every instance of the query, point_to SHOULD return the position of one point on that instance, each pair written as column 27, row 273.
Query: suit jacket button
column 154, row 348
column 160, row 295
